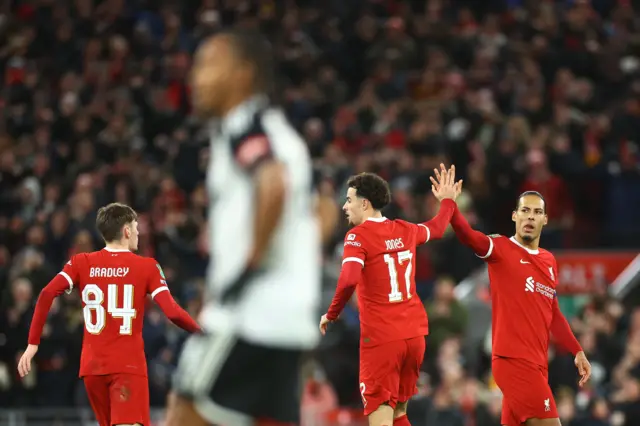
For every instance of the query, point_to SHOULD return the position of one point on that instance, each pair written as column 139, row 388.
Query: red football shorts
column 389, row 372
column 525, row 391
column 119, row 398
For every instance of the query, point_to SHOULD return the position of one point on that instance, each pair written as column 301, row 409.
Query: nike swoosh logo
column 523, row 262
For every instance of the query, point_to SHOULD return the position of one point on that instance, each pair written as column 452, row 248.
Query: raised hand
column 444, row 186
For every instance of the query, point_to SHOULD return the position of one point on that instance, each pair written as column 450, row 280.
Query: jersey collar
column 110, row 250
column 530, row 251
column 377, row 219
column 239, row 118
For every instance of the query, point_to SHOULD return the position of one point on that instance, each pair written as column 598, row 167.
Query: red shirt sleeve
column 63, row 282
column 70, row 273
column 350, row 275
column 434, row 229
column 156, row 281
column 354, row 248
column 561, row 331
column 560, row 328
column 353, row 258
column 483, row 245
column 159, row 291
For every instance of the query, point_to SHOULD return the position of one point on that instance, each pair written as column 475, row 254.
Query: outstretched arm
column 55, row 288
column 58, row 285
column 159, row 291
column 444, row 186
column 175, row 313
column 434, row 228
column 481, row 244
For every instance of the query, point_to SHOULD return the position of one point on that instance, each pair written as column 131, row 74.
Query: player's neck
column 117, row 246
column 376, row 214
column 532, row 245
column 237, row 99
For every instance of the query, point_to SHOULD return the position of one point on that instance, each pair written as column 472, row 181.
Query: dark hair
column 536, row 193
column 111, row 218
column 252, row 47
column 372, row 187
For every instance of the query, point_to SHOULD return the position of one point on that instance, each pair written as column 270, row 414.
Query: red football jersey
column 389, row 307
column 523, row 289
column 113, row 285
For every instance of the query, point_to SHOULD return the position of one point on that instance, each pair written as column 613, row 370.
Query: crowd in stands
column 518, row 94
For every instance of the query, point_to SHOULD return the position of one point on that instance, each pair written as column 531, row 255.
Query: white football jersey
column 279, row 307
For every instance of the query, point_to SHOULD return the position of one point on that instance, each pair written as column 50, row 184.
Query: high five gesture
column 444, row 186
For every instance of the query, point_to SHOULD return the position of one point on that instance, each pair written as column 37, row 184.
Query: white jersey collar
column 238, row 119
column 530, row 251
column 377, row 219
column 110, row 250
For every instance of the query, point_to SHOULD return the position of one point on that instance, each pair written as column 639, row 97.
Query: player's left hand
column 324, row 322
column 584, row 367
column 24, row 365
column 444, row 186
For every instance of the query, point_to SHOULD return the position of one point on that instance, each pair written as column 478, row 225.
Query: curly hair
column 371, row 187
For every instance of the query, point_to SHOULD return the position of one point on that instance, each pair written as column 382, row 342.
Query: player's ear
column 126, row 231
column 513, row 215
column 546, row 219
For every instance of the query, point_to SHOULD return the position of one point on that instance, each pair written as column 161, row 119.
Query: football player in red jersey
column 114, row 283
column 379, row 257
column 525, row 311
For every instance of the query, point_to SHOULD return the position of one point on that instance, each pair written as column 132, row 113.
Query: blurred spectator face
column 199, row 197
column 600, row 410
column 85, row 153
column 21, row 291
column 35, row 236
column 634, row 327
column 529, row 217
column 631, row 389
column 537, row 162
column 366, row 28
column 59, row 222
column 566, row 409
column 52, row 193
column 83, row 243
column 313, row 130
column 444, row 290
column 469, row 397
column 588, row 341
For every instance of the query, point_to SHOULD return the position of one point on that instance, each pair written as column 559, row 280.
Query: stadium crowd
column 517, row 94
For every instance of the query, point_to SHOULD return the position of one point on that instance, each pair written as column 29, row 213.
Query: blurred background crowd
column 518, row 94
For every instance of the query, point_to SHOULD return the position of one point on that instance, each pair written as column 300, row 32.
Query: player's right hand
column 324, row 322
column 584, row 367
column 24, row 365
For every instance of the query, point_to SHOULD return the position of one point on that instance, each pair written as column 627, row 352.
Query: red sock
column 401, row 421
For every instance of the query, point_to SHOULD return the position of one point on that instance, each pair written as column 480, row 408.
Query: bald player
column 263, row 286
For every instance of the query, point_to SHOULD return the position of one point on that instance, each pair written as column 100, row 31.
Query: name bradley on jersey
column 108, row 272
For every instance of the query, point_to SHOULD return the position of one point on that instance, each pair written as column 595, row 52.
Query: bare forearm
column 270, row 194
column 327, row 213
